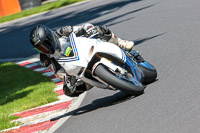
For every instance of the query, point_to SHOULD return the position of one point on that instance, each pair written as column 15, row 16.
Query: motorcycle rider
column 50, row 45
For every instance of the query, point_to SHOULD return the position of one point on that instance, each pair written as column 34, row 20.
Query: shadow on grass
column 11, row 97
column 14, row 81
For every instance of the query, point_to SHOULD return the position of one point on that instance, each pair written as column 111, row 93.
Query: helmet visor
column 48, row 45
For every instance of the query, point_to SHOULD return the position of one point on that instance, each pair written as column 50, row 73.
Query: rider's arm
column 53, row 65
column 67, row 30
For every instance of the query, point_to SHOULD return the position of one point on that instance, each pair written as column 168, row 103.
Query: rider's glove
column 64, row 31
column 80, row 32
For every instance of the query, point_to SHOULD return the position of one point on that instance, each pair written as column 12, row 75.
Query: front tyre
column 117, row 82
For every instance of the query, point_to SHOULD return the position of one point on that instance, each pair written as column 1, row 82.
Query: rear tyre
column 111, row 78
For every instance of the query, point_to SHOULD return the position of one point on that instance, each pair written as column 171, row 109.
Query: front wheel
column 130, row 86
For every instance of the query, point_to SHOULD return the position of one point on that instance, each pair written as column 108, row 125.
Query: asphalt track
column 166, row 32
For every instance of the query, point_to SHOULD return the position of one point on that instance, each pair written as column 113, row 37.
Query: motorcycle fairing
column 138, row 74
column 76, row 56
column 84, row 49
column 145, row 64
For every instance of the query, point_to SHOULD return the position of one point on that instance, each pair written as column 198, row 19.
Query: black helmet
column 43, row 39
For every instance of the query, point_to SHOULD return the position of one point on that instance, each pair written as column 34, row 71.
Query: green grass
column 39, row 9
column 21, row 89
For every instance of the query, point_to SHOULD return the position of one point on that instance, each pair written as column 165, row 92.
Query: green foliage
column 39, row 9
column 22, row 89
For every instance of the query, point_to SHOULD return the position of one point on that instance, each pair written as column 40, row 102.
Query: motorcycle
column 104, row 65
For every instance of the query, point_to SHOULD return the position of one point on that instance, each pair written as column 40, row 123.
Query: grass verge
column 38, row 9
column 22, row 89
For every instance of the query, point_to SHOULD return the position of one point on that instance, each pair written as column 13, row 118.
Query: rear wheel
column 124, row 83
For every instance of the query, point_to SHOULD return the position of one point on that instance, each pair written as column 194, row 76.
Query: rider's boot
column 124, row 44
column 74, row 91
column 73, row 88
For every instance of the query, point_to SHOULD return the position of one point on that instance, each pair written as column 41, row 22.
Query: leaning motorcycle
column 104, row 65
